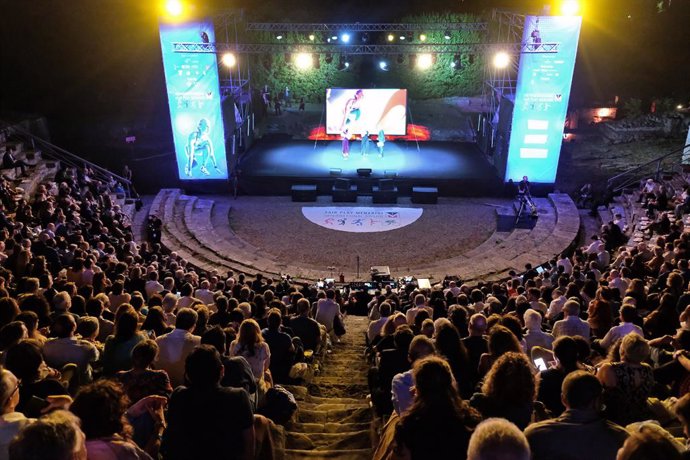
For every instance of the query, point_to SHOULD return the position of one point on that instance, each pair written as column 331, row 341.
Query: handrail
column 58, row 153
column 629, row 172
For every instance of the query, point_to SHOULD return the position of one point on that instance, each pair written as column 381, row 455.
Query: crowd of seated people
column 587, row 358
column 113, row 349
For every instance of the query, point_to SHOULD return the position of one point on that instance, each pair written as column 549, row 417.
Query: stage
column 272, row 166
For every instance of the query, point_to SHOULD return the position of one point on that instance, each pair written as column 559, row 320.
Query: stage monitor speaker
column 336, row 171
column 386, row 185
column 341, row 184
column 364, row 172
column 304, row 192
column 425, row 195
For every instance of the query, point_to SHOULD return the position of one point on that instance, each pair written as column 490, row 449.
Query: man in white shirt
column 453, row 288
column 66, row 348
column 572, row 324
column 152, row 286
column 556, row 305
column 626, row 326
column 419, row 305
column 594, row 245
column 204, row 293
column 616, row 282
column 420, row 347
column 603, row 256
column 375, row 326
column 566, row 264
column 327, row 309
column 176, row 345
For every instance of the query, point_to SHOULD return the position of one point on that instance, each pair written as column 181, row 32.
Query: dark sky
column 98, row 60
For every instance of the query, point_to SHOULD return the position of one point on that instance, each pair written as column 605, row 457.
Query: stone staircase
column 334, row 417
column 199, row 231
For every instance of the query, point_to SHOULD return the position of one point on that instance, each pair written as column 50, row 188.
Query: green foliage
column 441, row 80
column 632, row 107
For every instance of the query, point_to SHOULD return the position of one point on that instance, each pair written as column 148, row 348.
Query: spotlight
column 347, row 64
column 501, row 60
column 304, row 61
column 345, row 38
column 311, row 37
column 424, row 61
column 679, row 107
column 422, row 37
column 174, row 7
column 279, row 37
column 229, row 60
column 390, row 37
column 446, row 34
column 334, row 37
column 383, row 65
column 570, row 7
column 402, row 37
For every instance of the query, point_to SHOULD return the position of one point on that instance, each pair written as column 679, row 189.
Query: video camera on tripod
column 525, row 200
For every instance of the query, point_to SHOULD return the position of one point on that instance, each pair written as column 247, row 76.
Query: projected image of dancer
column 346, row 144
column 353, row 110
column 365, row 143
column 381, row 143
column 199, row 145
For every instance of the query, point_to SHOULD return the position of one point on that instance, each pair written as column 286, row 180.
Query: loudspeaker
column 364, row 172
column 425, row 195
column 303, row 192
column 341, row 184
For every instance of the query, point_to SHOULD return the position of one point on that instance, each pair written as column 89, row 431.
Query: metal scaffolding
column 364, row 27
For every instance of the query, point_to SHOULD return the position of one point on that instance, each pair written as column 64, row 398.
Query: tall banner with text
column 547, row 61
column 194, row 99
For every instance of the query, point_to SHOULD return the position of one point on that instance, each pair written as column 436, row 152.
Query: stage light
column 174, row 7
column 383, row 65
column 679, row 107
column 446, row 34
column 229, row 60
column 304, row 61
column 570, row 7
column 334, row 37
column 279, row 37
column 391, row 37
column 422, row 37
column 402, row 37
column 347, row 65
column 424, row 61
column 311, row 37
column 501, row 60
column 345, row 38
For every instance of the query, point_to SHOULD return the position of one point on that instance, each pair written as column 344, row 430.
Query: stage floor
column 271, row 167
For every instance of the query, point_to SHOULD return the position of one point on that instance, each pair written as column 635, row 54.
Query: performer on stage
column 199, row 145
column 352, row 110
column 381, row 143
column 525, row 195
column 346, row 144
column 365, row 143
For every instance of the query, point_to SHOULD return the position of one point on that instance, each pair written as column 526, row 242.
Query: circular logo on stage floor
column 361, row 220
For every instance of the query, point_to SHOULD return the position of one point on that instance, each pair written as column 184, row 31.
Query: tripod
column 525, row 202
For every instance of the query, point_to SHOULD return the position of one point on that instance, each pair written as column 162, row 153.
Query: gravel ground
column 448, row 229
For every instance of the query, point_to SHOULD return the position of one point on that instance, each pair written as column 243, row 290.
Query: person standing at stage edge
column 346, row 144
column 365, row 143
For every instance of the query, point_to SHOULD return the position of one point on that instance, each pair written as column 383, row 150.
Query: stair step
column 328, row 441
column 357, row 415
column 328, row 427
column 350, row 454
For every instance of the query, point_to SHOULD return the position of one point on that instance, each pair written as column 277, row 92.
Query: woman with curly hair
column 509, row 390
column 439, row 423
column 103, row 408
column 501, row 340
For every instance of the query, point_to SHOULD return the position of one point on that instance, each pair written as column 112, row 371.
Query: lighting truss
column 364, row 27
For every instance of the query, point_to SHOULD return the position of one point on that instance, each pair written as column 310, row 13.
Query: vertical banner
column 194, row 99
column 547, row 61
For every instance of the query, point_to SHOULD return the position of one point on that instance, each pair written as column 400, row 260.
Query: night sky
column 87, row 63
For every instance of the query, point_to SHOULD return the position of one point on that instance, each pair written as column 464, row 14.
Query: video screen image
column 373, row 110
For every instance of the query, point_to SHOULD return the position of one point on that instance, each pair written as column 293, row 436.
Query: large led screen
column 194, row 100
column 541, row 99
column 372, row 110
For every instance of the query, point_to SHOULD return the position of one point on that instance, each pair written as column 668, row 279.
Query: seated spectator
column 102, row 407
column 56, row 436
column 66, row 348
column 221, row 317
column 420, row 347
column 30, row 320
column 141, row 380
column 155, row 324
column 306, row 328
column 376, row 326
column 450, row 347
column 571, row 324
column 237, row 371
column 95, row 308
column 176, row 345
column 117, row 352
column 419, row 305
column 628, row 383
column 251, row 346
column 11, row 421
column 501, row 341
column 391, row 362
column 198, row 422
column 386, row 341
column 326, row 310
column 563, row 436
column 535, row 337
column 599, row 316
column 565, row 350
column 650, row 443
column 280, row 345
column 626, row 326
column 439, row 423
column 118, row 296
column 497, row 438
column 476, row 345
